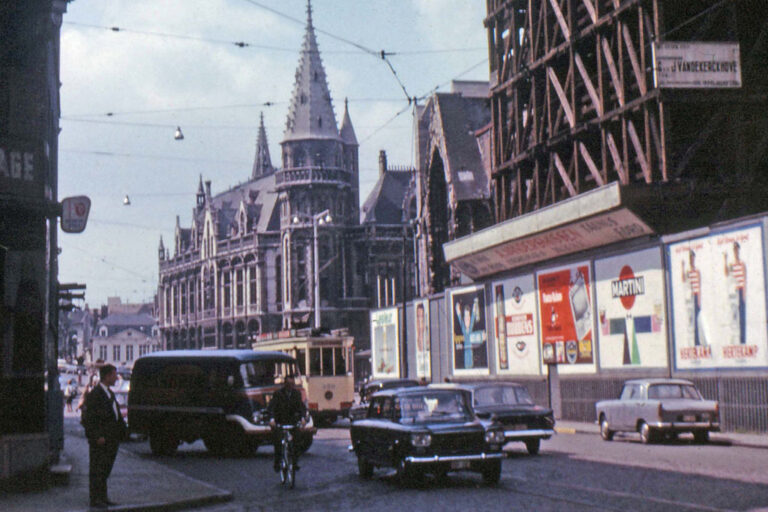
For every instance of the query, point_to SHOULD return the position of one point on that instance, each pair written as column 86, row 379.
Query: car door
column 626, row 405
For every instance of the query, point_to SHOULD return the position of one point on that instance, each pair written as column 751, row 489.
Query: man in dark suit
column 104, row 428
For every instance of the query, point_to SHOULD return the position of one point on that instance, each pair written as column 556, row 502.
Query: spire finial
column 309, row 12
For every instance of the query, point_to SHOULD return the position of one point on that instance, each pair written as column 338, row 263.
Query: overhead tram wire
column 155, row 157
column 101, row 259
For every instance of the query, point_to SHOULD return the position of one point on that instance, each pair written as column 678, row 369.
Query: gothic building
column 246, row 265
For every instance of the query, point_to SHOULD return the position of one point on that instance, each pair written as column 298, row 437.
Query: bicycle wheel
column 284, row 463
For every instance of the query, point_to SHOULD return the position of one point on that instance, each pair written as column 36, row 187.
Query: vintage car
column 358, row 410
column 219, row 396
column 510, row 405
column 422, row 430
column 656, row 408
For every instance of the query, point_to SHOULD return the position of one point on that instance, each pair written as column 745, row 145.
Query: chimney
column 208, row 188
column 382, row 162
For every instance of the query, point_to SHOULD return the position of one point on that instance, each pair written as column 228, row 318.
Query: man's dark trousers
column 102, row 458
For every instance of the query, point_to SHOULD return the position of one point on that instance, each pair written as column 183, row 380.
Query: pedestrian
column 84, row 396
column 69, row 393
column 104, row 428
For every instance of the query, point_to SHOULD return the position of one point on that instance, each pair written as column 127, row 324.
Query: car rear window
column 673, row 391
column 502, row 395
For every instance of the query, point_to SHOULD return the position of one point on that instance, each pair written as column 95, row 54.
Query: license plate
column 460, row 464
column 689, row 417
column 520, row 426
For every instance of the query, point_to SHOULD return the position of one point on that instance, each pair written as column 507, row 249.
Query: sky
column 175, row 63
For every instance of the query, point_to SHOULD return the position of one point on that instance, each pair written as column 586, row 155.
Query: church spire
column 310, row 115
column 346, row 131
column 262, row 163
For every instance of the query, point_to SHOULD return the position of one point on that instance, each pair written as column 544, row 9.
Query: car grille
column 531, row 420
column 456, row 444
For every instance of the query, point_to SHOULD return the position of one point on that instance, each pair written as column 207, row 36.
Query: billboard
column 567, row 316
column 385, row 344
column 696, row 65
column 469, row 334
column 515, row 326
column 718, row 300
column 629, row 293
column 423, row 347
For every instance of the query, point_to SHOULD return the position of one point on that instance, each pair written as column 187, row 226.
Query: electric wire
column 154, row 157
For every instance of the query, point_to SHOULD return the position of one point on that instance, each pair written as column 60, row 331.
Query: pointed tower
column 310, row 115
column 262, row 163
column 319, row 173
column 161, row 250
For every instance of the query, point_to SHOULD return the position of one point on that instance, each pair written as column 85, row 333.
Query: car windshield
column 432, row 407
column 265, row 372
column 673, row 391
column 502, row 395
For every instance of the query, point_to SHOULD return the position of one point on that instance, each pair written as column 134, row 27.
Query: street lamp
column 319, row 219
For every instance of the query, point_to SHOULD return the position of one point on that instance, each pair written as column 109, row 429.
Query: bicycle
column 287, row 455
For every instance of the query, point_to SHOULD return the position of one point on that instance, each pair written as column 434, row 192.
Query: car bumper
column 432, row 459
column 684, row 426
column 255, row 429
column 521, row 435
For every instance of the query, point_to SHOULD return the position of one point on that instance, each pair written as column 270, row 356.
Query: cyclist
column 285, row 408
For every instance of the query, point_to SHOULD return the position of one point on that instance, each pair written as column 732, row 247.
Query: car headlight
column 421, row 440
column 494, row 437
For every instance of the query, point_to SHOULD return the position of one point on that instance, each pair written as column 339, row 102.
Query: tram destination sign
column 697, row 65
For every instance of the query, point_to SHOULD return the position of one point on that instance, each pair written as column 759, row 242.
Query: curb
column 220, row 497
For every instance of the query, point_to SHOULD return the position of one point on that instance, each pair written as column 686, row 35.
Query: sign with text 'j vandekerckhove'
column 697, row 65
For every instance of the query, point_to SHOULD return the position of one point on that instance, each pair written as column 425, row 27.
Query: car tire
column 647, row 434
column 492, row 472
column 214, row 444
column 605, row 432
column 163, row 443
column 364, row 468
column 533, row 446
column 303, row 442
column 701, row 436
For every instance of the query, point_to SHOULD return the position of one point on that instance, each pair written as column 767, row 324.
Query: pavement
column 138, row 483
column 720, row 438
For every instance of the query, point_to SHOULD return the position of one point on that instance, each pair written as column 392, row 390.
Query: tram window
column 301, row 358
column 314, row 361
column 339, row 363
column 327, row 361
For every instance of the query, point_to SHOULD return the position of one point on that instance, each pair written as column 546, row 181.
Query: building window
column 227, row 288
column 103, row 352
column 192, row 297
column 239, row 288
column 129, row 353
column 183, row 298
column 252, row 284
column 116, row 353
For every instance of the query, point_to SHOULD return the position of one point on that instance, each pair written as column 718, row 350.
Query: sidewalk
column 136, row 484
column 723, row 438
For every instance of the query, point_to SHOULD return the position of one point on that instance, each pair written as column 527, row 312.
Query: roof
column 310, row 115
column 459, row 118
column 128, row 320
column 474, row 385
column 260, row 197
column 384, row 204
column 346, row 131
column 240, row 355
column 415, row 390
column 658, row 381
column 262, row 163
column 390, row 382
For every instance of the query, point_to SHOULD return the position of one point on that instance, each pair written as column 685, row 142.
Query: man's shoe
column 111, row 503
column 98, row 505
column 276, row 467
column 296, row 467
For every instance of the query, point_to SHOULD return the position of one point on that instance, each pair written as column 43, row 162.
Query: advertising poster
column 423, row 347
column 470, row 337
column 718, row 300
column 385, row 342
column 567, row 317
column 629, row 291
column 514, row 326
